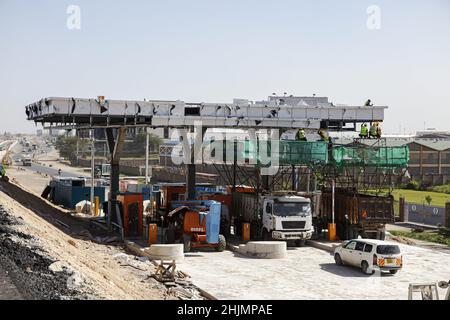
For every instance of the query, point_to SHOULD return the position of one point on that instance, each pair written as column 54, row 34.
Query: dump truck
column 358, row 214
column 286, row 217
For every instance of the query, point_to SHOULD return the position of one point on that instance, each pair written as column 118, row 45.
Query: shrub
column 412, row 185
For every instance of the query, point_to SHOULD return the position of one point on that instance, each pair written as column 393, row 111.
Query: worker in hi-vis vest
column 375, row 130
column 364, row 134
column 301, row 135
column 324, row 135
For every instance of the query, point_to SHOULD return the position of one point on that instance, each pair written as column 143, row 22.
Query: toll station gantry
column 278, row 112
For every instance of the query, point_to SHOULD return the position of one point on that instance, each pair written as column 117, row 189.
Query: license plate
column 389, row 260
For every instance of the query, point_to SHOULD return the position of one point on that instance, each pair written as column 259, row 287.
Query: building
column 430, row 161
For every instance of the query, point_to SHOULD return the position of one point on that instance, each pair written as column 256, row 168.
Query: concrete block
column 266, row 249
column 165, row 252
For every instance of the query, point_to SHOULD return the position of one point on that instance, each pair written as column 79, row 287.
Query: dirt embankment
column 28, row 268
column 72, row 254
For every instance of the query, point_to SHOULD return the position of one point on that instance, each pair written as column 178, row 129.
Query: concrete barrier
column 166, row 252
column 263, row 249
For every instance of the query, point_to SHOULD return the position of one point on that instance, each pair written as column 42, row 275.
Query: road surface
column 310, row 273
column 53, row 172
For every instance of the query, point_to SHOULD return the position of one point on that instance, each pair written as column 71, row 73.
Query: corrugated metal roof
column 439, row 145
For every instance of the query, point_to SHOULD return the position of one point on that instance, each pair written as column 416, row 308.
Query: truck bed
column 360, row 208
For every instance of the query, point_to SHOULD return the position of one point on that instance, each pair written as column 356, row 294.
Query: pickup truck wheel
column 365, row 267
column 337, row 259
column 393, row 271
column 222, row 245
column 300, row 243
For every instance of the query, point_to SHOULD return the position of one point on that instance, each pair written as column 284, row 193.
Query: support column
column 115, row 148
column 195, row 149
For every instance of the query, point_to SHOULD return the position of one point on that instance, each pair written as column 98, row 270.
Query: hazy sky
column 214, row 51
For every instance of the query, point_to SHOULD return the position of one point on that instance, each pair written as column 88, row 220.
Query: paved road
column 8, row 290
column 53, row 172
column 309, row 273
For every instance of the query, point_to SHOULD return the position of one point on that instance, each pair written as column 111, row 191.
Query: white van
column 370, row 255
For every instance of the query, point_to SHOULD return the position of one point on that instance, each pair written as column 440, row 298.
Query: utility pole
column 147, row 143
column 92, row 169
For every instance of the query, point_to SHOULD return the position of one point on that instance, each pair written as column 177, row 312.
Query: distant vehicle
column 370, row 255
column 26, row 162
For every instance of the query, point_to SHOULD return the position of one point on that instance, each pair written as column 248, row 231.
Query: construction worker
column 324, row 135
column 364, row 134
column 368, row 103
column 3, row 173
column 373, row 133
column 301, row 135
column 378, row 131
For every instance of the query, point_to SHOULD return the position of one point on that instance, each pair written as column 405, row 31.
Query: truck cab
column 287, row 218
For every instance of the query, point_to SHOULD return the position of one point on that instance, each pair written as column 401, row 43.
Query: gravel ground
column 310, row 273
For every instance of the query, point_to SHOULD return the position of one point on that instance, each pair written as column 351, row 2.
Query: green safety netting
column 371, row 156
column 288, row 153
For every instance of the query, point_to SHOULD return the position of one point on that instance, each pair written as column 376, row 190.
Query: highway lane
column 54, row 172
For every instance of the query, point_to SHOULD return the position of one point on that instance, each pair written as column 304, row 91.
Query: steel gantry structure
column 277, row 112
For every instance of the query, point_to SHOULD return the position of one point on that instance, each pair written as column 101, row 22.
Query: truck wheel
column 393, row 271
column 187, row 243
column 337, row 259
column 266, row 235
column 222, row 245
column 300, row 243
column 383, row 235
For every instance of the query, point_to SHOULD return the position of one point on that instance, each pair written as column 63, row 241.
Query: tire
column 365, row 267
column 187, row 243
column 393, row 271
column 383, row 235
column 170, row 236
column 300, row 243
column 338, row 260
column 222, row 245
column 266, row 235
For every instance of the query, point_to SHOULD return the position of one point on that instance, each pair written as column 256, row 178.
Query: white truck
column 274, row 217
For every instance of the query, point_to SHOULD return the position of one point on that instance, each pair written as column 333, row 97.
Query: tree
column 137, row 147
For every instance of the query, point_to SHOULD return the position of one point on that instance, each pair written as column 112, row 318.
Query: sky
column 217, row 50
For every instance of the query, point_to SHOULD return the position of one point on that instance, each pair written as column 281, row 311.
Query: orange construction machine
column 131, row 209
column 196, row 224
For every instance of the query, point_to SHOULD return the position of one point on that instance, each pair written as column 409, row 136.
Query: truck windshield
column 287, row 209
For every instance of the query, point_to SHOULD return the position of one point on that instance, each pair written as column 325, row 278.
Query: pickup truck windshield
column 288, row 209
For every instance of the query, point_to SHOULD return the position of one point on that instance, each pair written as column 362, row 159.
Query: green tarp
column 289, row 152
column 371, row 156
